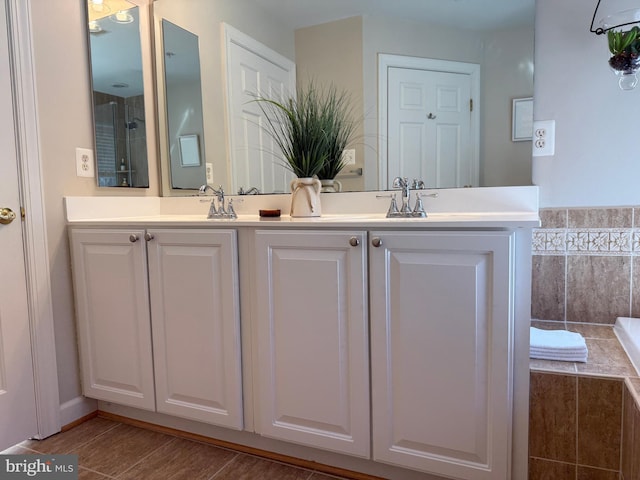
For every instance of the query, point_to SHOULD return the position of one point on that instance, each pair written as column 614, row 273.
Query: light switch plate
column 85, row 166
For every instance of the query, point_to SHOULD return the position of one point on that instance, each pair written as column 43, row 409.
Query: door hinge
column 471, row 104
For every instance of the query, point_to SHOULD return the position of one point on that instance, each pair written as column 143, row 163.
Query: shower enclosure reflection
column 118, row 100
column 120, row 142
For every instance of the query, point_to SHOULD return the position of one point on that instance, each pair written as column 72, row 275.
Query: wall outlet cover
column 85, row 165
column 349, row 156
column 544, row 138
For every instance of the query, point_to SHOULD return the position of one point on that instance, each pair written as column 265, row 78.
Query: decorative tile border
column 586, row 241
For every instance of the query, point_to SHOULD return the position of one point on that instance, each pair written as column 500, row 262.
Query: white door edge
column 234, row 36
column 34, row 226
column 386, row 61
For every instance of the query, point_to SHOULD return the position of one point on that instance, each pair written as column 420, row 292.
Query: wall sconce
column 624, row 44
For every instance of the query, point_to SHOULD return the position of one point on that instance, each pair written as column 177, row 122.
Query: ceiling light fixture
column 623, row 35
column 122, row 16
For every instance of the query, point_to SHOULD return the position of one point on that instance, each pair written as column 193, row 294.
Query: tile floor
column 110, row 450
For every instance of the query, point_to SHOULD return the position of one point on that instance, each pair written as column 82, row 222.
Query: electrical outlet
column 209, row 172
column 544, row 138
column 349, row 156
column 84, row 163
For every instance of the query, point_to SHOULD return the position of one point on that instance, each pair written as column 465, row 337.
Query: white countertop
column 495, row 207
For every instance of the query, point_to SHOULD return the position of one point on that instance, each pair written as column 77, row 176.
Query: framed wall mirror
column 119, row 114
column 341, row 43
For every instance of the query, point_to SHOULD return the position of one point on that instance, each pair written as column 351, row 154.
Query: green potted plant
column 625, row 55
column 311, row 129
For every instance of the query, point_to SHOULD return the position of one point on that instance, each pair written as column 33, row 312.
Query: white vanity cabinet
column 441, row 351
column 310, row 306
column 177, row 286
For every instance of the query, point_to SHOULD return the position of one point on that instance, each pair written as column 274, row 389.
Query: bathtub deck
column 607, row 357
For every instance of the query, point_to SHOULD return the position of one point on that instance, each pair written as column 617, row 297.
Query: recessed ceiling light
column 120, row 85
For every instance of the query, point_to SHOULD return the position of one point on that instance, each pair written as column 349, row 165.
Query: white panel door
column 429, row 127
column 112, row 306
column 442, row 352
column 193, row 279
column 17, row 395
column 310, row 307
column 255, row 70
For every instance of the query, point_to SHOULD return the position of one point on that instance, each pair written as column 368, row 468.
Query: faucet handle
column 393, row 207
column 231, row 213
column 418, row 209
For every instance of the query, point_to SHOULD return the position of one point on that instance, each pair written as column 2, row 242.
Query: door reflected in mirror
column 118, row 96
column 341, row 43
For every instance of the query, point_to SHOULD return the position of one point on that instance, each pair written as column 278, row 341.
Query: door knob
column 354, row 241
column 148, row 236
column 133, row 238
column 376, row 241
column 7, row 216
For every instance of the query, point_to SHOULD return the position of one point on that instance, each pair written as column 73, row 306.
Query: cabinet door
column 112, row 305
column 310, row 306
column 441, row 315
column 193, row 276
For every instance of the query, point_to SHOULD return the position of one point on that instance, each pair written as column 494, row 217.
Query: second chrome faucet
column 220, row 210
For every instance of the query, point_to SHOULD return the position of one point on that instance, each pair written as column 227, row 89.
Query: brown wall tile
column 547, row 287
column 588, row 473
column 635, row 449
column 598, row 288
column 600, row 217
column 599, row 422
column 635, row 287
column 540, row 469
column 552, row 417
column 627, row 433
column 553, row 218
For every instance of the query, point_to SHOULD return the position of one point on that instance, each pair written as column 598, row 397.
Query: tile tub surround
column 586, row 265
column 584, row 418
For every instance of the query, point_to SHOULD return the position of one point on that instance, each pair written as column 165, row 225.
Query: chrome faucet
column 251, row 191
column 219, row 210
column 403, row 183
column 405, row 210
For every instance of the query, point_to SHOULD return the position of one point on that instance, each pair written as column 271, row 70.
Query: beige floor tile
column 65, row 442
column 120, row 448
column 181, row 460
column 245, row 467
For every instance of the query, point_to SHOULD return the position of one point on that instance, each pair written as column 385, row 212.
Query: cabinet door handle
column 354, row 241
column 133, row 238
column 376, row 241
column 148, row 236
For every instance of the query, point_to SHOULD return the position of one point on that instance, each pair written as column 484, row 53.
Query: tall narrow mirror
column 118, row 96
column 183, row 96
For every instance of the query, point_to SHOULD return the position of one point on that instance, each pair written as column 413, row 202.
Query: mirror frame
column 150, row 106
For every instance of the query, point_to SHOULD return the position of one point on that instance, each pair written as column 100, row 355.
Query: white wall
column 596, row 161
column 507, row 73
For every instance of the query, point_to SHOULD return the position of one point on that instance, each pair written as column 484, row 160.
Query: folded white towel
column 559, row 345
column 561, row 358
column 556, row 339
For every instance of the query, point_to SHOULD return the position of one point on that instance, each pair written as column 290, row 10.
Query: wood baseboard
column 298, row 462
column 77, row 422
